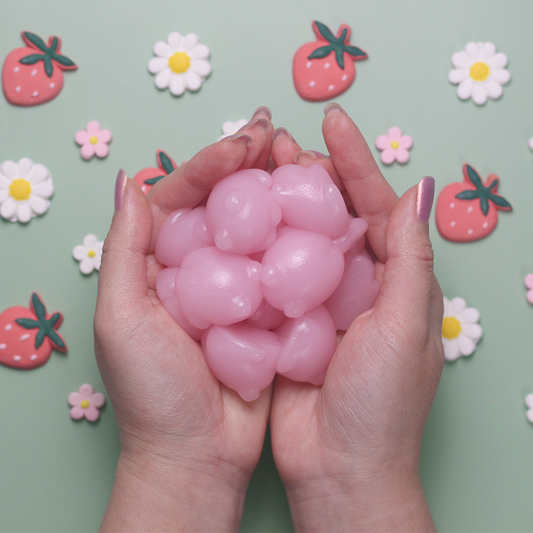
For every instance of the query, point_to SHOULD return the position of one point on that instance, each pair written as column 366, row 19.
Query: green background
column 56, row 474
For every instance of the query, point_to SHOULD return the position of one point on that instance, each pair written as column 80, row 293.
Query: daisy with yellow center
column 89, row 254
column 479, row 72
column 460, row 329
column 180, row 64
column 25, row 189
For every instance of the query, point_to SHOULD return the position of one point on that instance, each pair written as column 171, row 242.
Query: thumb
column 123, row 271
column 410, row 294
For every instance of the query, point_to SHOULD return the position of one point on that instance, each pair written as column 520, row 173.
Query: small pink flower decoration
column 394, row 146
column 529, row 285
column 86, row 403
column 93, row 141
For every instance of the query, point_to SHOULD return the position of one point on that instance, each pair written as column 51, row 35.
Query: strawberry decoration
column 325, row 68
column 148, row 177
column 33, row 75
column 468, row 211
column 27, row 336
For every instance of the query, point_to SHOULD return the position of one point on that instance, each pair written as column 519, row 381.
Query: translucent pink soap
column 265, row 274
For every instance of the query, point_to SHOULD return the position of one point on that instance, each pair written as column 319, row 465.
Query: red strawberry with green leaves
column 468, row 211
column 148, row 177
column 27, row 336
column 325, row 68
column 33, row 75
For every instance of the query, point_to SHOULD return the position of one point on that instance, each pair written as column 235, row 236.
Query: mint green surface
column 477, row 461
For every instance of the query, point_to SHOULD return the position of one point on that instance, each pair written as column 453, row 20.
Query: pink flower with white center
column 93, row 140
column 86, row 403
column 394, row 146
column 529, row 285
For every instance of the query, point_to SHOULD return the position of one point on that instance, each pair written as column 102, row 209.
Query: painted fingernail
column 308, row 153
column 279, row 132
column 120, row 188
column 237, row 136
column 263, row 122
column 424, row 199
column 333, row 106
column 262, row 112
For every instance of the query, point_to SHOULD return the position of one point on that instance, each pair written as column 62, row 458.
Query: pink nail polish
column 424, row 199
column 120, row 188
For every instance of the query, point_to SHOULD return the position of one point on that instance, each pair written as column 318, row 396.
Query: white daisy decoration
column 181, row 63
column 480, row 72
column 230, row 128
column 460, row 329
column 529, row 405
column 530, row 143
column 25, row 189
column 89, row 254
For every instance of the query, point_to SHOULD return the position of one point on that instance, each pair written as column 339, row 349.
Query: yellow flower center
column 91, row 253
column 93, row 139
column 179, row 62
column 395, row 145
column 451, row 327
column 84, row 404
column 20, row 189
column 479, row 71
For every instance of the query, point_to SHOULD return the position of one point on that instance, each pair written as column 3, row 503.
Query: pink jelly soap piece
column 165, row 286
column 307, row 346
column 300, row 270
column 242, row 357
column 182, row 232
column 216, row 287
column 309, row 199
column 354, row 236
column 357, row 291
column 267, row 317
column 241, row 214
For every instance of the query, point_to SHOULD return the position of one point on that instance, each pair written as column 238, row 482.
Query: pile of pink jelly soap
column 265, row 274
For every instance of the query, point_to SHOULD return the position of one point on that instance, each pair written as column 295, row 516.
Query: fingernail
column 120, row 188
column 237, row 136
column 279, row 132
column 333, row 106
column 262, row 112
column 263, row 122
column 424, row 199
column 309, row 153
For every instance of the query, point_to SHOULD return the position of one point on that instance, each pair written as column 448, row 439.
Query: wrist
column 153, row 493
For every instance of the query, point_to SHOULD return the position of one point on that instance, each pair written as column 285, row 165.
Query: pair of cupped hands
column 348, row 451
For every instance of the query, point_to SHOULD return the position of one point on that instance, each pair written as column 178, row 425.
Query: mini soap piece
column 148, row 177
column 529, row 405
column 529, row 285
column 325, row 68
column 93, row 141
column 230, row 128
column 480, row 72
column 33, row 75
column 460, row 329
column 89, row 254
column 86, row 403
column 28, row 336
column 468, row 211
column 180, row 64
column 394, row 146
column 25, row 189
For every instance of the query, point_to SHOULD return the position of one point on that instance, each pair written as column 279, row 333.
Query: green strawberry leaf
column 153, row 181
column 474, row 177
column 322, row 52
column 339, row 56
column 65, row 61
column 166, row 163
column 500, row 201
column 36, row 41
column 38, row 307
column 325, row 31
column 31, row 59
column 354, row 51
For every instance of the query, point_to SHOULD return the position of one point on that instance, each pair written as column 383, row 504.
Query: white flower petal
column 10, row 170
column 458, row 306
column 461, row 60
column 163, row 79
column 501, row 75
column 200, row 51
column 498, row 61
column 494, row 89
column 4, row 182
column 192, row 80
column 469, row 315
column 479, row 93
column 177, row 84
column 162, row 49
column 487, row 50
column 25, row 166
column 157, row 64
column 190, row 41
column 45, row 189
column 175, row 41
column 4, row 194
column 79, row 252
column 451, row 349
column 201, row 67
column 473, row 51
column 464, row 91
column 90, row 241
column 86, row 265
column 473, row 331
column 529, row 401
column 529, row 415
column 24, row 212
column 37, row 174
column 457, row 75
column 38, row 205
column 8, row 208
column 466, row 345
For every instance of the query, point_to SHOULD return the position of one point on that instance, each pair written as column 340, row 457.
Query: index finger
column 372, row 196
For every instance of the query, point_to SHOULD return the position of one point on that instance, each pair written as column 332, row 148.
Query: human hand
column 348, row 452
column 189, row 444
